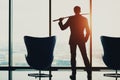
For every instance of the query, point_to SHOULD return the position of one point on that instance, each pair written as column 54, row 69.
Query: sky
column 33, row 16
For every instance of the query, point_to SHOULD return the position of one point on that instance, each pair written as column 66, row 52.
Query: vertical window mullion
column 10, row 40
column 91, row 35
column 49, row 17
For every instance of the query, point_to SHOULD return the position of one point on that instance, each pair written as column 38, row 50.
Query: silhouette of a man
column 77, row 24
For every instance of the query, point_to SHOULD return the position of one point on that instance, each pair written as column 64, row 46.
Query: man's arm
column 87, row 31
column 63, row 27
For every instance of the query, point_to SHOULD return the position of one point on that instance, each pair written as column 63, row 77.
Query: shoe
column 72, row 77
column 89, row 77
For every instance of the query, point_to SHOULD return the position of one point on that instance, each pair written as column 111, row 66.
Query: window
column 62, row 51
column 105, row 22
column 30, row 18
column 4, row 32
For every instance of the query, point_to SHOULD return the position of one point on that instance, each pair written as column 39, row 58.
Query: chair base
column 112, row 75
column 39, row 75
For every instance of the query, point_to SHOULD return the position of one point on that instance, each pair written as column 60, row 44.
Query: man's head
column 77, row 9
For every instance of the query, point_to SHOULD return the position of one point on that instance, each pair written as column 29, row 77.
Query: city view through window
column 34, row 21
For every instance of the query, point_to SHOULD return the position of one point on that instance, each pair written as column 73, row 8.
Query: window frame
column 10, row 68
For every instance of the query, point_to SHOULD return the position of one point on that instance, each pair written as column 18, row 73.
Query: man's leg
column 85, row 59
column 73, row 61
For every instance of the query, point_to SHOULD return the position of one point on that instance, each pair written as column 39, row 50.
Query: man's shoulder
column 78, row 16
column 83, row 17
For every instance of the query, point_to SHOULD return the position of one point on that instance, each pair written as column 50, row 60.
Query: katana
column 68, row 17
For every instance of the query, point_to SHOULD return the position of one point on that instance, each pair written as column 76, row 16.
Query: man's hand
column 86, row 39
column 61, row 19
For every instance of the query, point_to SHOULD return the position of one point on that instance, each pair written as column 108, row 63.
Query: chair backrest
column 111, row 47
column 40, row 51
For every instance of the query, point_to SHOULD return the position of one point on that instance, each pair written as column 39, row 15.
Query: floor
column 57, row 75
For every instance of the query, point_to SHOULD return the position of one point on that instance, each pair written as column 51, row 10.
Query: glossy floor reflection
column 60, row 75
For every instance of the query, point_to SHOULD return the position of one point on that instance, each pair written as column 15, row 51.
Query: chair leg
column 36, row 75
column 115, row 75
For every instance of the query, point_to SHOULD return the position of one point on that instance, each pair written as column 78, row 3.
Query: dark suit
column 77, row 24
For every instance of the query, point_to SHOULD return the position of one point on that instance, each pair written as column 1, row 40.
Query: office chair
column 40, row 54
column 111, row 57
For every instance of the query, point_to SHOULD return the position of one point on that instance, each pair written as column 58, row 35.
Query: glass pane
column 29, row 18
column 105, row 22
column 4, row 8
column 3, row 75
column 63, row 8
column 23, row 75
